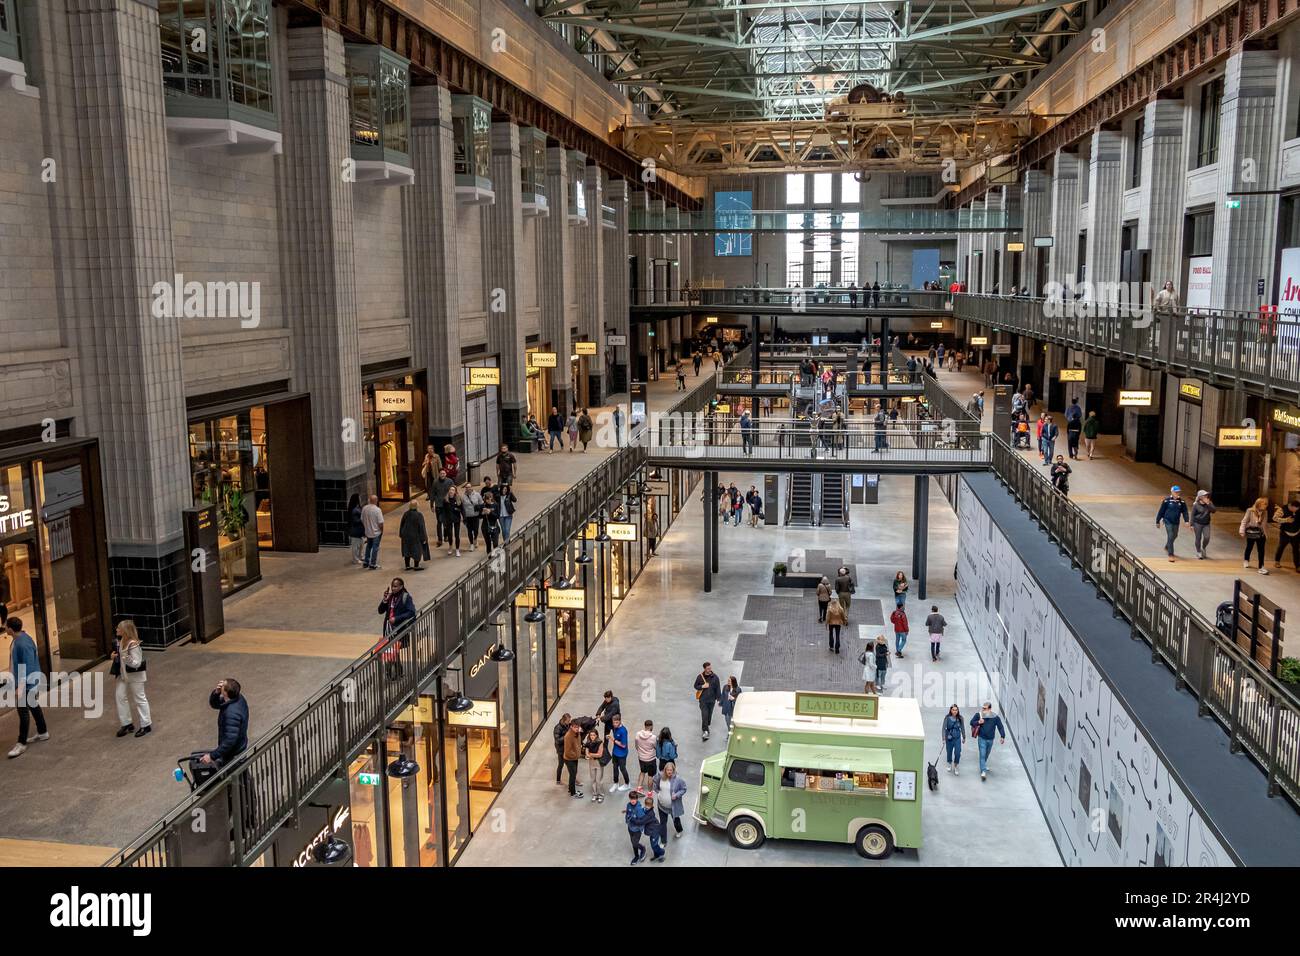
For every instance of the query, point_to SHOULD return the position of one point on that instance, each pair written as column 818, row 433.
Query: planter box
column 795, row 580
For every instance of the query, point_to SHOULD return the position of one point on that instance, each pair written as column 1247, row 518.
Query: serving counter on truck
column 839, row 768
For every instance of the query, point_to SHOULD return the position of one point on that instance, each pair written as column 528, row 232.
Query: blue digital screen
column 733, row 210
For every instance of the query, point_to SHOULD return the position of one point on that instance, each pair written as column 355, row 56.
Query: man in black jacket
column 555, row 429
column 558, row 732
column 708, row 690
column 232, row 722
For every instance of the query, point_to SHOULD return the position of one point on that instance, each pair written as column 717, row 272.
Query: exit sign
column 368, row 779
column 1232, row 204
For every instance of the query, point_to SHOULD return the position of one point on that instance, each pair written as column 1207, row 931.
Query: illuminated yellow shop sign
column 936, row 325
column 724, row 409
column 1285, row 417
column 570, row 599
column 1074, row 375
column 1135, row 398
column 711, row 319
column 1190, row 390
column 621, row 530
column 479, row 376
column 584, row 348
column 541, row 359
column 979, row 340
column 1236, row 437
column 1015, row 247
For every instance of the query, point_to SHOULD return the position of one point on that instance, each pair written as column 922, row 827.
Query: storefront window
column 391, row 416
column 365, row 779
column 223, row 473
column 414, row 801
column 529, row 667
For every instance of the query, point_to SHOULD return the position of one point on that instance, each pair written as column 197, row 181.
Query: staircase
column 799, row 503
column 834, row 498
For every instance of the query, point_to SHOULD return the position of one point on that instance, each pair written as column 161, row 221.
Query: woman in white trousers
column 129, row 668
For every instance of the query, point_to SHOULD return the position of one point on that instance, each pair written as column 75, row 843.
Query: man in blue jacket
column 983, row 727
column 232, row 722
column 1172, row 510
column 25, row 672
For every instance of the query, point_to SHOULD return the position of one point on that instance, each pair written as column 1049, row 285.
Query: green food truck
column 837, row 768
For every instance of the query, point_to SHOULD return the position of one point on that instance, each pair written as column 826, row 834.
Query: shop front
column 1282, row 461
column 537, row 383
column 239, row 457
column 394, row 417
column 482, row 381
column 581, row 361
column 53, row 561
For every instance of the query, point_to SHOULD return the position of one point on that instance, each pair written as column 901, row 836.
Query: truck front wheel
column 874, row 842
column 746, row 833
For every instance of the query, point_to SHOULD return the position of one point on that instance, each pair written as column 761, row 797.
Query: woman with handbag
column 398, row 608
column 823, row 598
column 129, row 669
column 1252, row 529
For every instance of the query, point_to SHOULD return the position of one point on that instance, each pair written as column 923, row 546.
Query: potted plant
column 778, row 569
column 1289, row 671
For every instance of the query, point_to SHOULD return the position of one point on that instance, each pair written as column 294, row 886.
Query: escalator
column 834, row 510
column 799, row 501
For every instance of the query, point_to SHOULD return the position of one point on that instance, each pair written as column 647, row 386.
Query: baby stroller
column 193, row 772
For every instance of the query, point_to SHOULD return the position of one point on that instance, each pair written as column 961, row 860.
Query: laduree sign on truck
column 837, row 768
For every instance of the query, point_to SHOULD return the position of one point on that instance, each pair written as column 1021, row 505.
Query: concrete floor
column 1122, row 495
column 286, row 637
column 667, row 627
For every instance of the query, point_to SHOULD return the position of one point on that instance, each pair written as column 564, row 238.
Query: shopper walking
column 471, row 504
column 730, row 691
column 1073, row 427
column 616, row 745
column 697, row 360
column 898, row 618
column 823, row 598
column 572, row 427
column 609, row 708
column 430, row 467
column 669, row 789
column 1252, row 528
column 506, row 465
column 835, row 619
column 558, row 732
column 1203, row 510
column 593, row 752
column 681, row 375
column 755, row 502
column 651, row 533
column 506, row 507
column 26, row 677
column 1050, row 432
column 490, row 521
column 573, row 752
column 845, row 589
column 875, row 663
column 954, row 733
column 708, row 690
column 1091, row 428
column 934, row 625
column 653, row 831
column 665, row 748
column 900, row 589
column 372, row 521
column 398, row 608
column 450, row 462
column 449, row 513
column 984, row 726
column 554, row 430
column 585, row 426
column 1171, row 512
column 645, row 755
column 356, row 532
column 746, row 433
column 129, row 667
column 437, row 494
column 414, row 536
column 1288, row 528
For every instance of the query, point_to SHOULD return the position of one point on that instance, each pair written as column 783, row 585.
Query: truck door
column 746, row 785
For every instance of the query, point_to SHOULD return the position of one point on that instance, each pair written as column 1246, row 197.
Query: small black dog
column 932, row 775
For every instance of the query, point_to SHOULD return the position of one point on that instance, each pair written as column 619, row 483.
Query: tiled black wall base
column 618, row 379
column 595, row 395
column 154, row 592
column 332, row 496
column 512, row 430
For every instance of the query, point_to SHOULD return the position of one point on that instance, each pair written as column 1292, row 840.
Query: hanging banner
column 1200, row 273
column 1288, row 282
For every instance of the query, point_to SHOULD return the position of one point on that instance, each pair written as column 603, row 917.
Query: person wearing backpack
column 585, row 426
column 665, row 749
column 954, row 733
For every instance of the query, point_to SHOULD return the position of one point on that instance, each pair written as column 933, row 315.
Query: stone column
column 1244, row 238
column 616, row 283
column 321, row 282
column 1036, row 211
column 429, row 229
column 555, row 260
column 994, row 207
column 503, row 246
column 1164, row 176
column 591, row 289
column 656, row 246
column 965, row 246
column 119, row 245
column 1105, row 209
column 1011, row 211
column 1064, row 259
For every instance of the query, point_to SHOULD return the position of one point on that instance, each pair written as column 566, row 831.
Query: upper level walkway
column 647, row 303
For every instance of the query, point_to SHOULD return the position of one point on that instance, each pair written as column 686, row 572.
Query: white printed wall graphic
column 1107, row 797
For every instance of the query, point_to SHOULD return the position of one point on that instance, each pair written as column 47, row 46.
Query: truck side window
column 746, row 771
